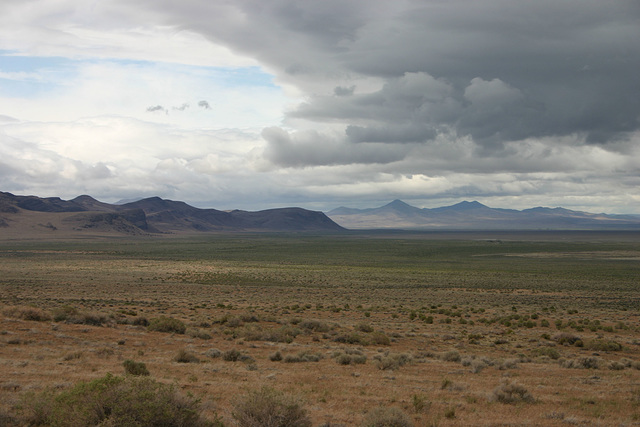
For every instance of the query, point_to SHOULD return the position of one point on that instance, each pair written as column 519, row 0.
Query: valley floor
column 449, row 331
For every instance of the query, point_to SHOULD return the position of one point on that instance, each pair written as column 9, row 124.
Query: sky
column 255, row 104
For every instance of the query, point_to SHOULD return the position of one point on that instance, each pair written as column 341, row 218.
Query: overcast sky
column 255, row 104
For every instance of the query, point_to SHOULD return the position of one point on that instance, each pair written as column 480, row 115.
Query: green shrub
column 351, row 339
column 420, row 403
column 314, row 325
column 167, row 324
column 270, row 408
column 386, row 417
column 379, row 338
column 135, row 368
column 350, row 359
column 549, row 352
column 604, row 345
column 113, row 401
column 197, row 333
column 304, row 356
column 566, row 338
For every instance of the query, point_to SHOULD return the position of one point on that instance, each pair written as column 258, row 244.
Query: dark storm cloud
column 344, row 91
column 499, row 70
column 311, row 148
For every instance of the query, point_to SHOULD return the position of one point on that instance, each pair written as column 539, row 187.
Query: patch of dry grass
column 430, row 337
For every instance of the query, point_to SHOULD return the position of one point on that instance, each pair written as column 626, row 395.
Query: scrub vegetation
column 360, row 329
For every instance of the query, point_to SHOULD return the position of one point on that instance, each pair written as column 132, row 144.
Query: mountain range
column 36, row 217
column 25, row 216
column 476, row 216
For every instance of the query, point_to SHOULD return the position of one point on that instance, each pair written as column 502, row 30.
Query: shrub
column 364, row 327
column 351, row 339
column 93, row 319
column 451, row 356
column 270, row 408
column 27, row 313
column 197, row 333
column 616, row 366
column 386, row 417
column 140, row 321
column 566, row 338
column 61, row 314
column 275, row 357
column 285, row 334
column 603, row 345
column 8, row 420
column 379, row 338
column 350, row 359
column 111, row 400
column 511, row 392
column 314, row 325
column 213, row 353
column 450, row 413
column 477, row 365
column 184, row 356
column 167, row 324
column 393, row 361
column 582, row 363
column 420, row 403
column 135, row 368
column 549, row 352
column 71, row 314
column 303, row 357
column 231, row 355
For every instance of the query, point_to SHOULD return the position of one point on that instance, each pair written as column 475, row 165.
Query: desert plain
column 459, row 328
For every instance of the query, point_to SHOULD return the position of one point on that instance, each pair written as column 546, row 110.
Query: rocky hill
column 32, row 215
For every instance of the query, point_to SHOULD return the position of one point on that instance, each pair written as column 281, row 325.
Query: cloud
column 553, row 73
column 182, row 107
column 522, row 103
column 311, row 148
column 344, row 91
column 155, row 108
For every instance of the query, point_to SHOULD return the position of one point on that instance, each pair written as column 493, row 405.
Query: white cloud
column 431, row 101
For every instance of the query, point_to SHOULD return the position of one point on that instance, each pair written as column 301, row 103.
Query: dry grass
column 448, row 352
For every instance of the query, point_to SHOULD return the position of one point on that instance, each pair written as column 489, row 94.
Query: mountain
column 32, row 216
column 476, row 216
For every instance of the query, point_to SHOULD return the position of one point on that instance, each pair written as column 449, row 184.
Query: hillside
column 476, row 216
column 32, row 216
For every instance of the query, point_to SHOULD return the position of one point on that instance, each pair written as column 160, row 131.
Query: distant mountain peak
column 473, row 215
column 397, row 203
column 469, row 205
column 84, row 198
